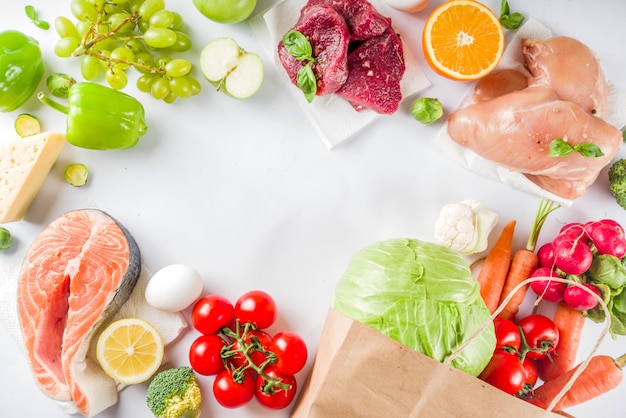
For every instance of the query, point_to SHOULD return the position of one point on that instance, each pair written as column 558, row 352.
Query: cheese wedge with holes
column 24, row 166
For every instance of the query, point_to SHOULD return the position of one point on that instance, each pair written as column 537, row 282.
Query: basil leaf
column 307, row 82
column 298, row 45
column 31, row 13
column 588, row 149
column 560, row 148
column 510, row 20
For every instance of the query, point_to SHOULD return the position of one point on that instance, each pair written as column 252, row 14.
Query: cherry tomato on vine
column 541, row 334
column 290, row 350
column 530, row 369
column 260, row 340
column 230, row 393
column 211, row 313
column 205, row 354
column 505, row 372
column 507, row 334
column 256, row 307
column 273, row 397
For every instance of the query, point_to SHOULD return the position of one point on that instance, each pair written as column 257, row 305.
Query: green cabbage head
column 422, row 295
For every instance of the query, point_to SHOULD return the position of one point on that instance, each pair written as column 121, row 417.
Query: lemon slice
column 130, row 350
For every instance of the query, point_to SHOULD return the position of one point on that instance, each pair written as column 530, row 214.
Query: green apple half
column 231, row 69
column 226, row 11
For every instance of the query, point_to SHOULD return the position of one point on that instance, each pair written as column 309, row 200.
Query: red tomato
column 290, row 350
column 507, row 334
column 205, row 354
column 257, row 341
column 541, row 334
column 211, row 313
column 274, row 397
column 530, row 368
column 256, row 307
column 230, row 393
column 505, row 372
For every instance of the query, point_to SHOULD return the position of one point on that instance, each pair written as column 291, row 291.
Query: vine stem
column 245, row 348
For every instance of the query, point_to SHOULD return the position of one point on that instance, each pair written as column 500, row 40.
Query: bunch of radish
column 580, row 253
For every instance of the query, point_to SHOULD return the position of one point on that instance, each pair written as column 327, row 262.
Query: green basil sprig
column 561, row 148
column 510, row 20
column 299, row 47
column 31, row 13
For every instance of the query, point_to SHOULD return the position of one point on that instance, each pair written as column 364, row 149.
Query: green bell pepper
column 99, row 117
column 21, row 69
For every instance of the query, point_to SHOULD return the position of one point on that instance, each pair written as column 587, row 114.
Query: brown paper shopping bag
column 359, row 372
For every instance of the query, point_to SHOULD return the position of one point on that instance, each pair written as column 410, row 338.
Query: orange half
column 463, row 40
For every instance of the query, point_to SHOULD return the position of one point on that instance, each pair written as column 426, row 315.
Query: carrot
column 524, row 263
column 570, row 324
column 495, row 267
column 602, row 374
column 522, row 266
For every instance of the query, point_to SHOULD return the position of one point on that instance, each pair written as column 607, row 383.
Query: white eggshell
column 174, row 288
column 409, row 6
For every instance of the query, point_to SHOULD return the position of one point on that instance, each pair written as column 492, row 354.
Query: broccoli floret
column 617, row 181
column 174, row 393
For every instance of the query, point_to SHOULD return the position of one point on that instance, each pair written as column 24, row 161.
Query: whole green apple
column 226, row 11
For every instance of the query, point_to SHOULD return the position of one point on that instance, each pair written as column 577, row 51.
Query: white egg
column 409, row 6
column 174, row 288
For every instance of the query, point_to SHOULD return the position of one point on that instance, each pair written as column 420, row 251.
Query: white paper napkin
column 512, row 58
column 333, row 118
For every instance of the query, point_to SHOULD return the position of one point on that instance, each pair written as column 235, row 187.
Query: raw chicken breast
column 497, row 83
column 516, row 129
column 570, row 68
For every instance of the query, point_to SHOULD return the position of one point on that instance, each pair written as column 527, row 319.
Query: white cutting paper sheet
column 332, row 117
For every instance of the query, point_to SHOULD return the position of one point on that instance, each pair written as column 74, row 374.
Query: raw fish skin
column 77, row 273
column 515, row 130
column 570, row 68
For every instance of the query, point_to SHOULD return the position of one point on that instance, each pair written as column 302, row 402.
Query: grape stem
column 91, row 38
column 95, row 37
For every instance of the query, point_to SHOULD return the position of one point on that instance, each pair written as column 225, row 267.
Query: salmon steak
column 77, row 273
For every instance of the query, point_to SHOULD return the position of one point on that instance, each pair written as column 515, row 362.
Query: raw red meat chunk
column 362, row 18
column 357, row 53
column 328, row 34
column 375, row 70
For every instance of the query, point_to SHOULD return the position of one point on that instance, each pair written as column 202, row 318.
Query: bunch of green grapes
column 111, row 36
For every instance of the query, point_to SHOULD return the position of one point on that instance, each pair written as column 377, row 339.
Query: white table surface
column 245, row 192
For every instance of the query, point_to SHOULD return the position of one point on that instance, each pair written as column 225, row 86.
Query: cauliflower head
column 465, row 226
